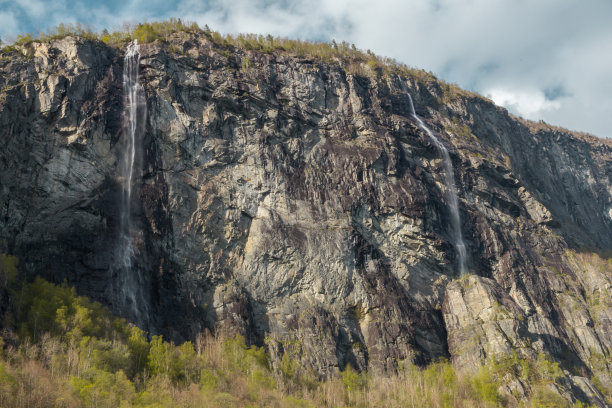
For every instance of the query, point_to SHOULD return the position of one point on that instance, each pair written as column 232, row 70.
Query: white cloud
column 530, row 104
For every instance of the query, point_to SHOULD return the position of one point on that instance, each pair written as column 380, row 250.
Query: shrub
column 24, row 39
column 353, row 380
column 8, row 270
column 8, row 385
column 104, row 389
column 545, row 398
column 485, row 386
column 145, row 33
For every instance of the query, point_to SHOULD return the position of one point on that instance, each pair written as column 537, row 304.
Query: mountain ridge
column 296, row 202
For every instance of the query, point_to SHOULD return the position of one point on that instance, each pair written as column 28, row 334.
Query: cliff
column 297, row 201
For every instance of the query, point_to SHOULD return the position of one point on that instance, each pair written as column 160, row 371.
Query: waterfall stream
column 134, row 97
column 451, row 191
column 128, row 285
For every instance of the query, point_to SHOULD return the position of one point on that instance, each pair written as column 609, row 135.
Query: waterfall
column 451, row 191
column 133, row 92
column 128, row 282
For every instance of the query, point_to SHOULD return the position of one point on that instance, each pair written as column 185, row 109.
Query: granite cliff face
column 299, row 204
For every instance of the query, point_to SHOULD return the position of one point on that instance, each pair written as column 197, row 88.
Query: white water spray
column 451, row 191
column 134, row 98
column 129, row 288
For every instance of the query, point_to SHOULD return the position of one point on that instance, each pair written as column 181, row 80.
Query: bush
column 145, row 33
column 8, row 270
column 24, row 39
column 485, row 387
column 353, row 380
column 545, row 398
column 104, row 389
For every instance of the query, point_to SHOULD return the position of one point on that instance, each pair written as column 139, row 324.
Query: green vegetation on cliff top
column 355, row 61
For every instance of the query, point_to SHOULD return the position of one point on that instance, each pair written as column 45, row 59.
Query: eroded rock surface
column 300, row 205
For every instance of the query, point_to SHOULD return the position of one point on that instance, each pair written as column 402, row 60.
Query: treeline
column 58, row 349
column 365, row 63
column 149, row 32
column 355, row 61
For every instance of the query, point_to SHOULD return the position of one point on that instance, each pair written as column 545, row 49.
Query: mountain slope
column 294, row 200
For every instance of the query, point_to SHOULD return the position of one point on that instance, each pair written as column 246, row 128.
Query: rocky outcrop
column 298, row 203
column 486, row 323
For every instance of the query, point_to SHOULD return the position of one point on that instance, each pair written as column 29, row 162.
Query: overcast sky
column 542, row 59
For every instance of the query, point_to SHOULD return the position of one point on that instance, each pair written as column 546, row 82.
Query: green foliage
column 104, row 389
column 7, row 382
column 45, row 307
column 160, row 357
column 246, row 63
column 461, row 130
column 353, row 380
column 24, row 39
column 71, row 352
column 117, row 38
column 349, row 57
column 242, row 358
column 542, row 370
column 175, row 49
column 145, row 33
column 8, row 270
column 357, row 312
column 546, row 398
column 208, row 379
column 288, row 368
column 107, row 355
column 548, row 369
column 138, row 347
column 179, row 364
column 64, row 30
column 485, row 386
column 292, row 401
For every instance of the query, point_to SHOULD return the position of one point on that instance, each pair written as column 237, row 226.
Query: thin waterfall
column 128, row 282
column 451, row 191
column 134, row 95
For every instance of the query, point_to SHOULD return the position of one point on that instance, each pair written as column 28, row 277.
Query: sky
column 545, row 60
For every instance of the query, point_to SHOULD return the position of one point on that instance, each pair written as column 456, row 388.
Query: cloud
column 545, row 60
column 300, row 18
column 530, row 104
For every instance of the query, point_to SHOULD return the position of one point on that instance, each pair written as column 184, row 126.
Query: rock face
column 300, row 205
